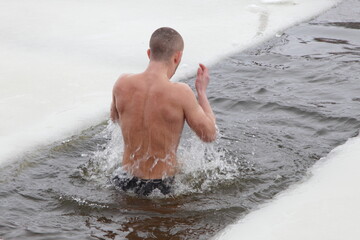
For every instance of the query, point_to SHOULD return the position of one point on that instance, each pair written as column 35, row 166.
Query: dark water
column 280, row 107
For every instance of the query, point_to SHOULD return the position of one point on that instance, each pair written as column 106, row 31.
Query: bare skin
column 151, row 112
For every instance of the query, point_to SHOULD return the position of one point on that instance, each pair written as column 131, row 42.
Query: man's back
column 151, row 118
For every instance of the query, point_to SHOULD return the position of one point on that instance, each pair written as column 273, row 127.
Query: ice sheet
column 325, row 207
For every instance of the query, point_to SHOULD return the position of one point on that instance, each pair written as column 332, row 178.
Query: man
column 151, row 112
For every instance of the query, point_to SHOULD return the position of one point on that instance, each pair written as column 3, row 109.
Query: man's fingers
column 199, row 72
column 203, row 68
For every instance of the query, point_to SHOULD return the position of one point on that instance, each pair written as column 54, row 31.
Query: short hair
column 164, row 42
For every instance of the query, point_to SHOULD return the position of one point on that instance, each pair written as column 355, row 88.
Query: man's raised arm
column 199, row 114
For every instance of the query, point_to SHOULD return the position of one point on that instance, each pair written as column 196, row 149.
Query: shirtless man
column 151, row 112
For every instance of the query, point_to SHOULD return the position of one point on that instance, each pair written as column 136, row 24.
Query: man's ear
column 178, row 56
column 148, row 53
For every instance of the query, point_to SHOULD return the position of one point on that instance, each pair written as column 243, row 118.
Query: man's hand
column 202, row 79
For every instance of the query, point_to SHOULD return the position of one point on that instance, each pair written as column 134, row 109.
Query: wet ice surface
column 280, row 107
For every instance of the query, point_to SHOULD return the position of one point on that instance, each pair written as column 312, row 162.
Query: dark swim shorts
column 144, row 186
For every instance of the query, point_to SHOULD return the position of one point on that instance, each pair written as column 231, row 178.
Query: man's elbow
column 114, row 117
column 209, row 139
column 113, row 120
column 209, row 135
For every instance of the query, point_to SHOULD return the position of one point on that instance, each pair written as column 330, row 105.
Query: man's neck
column 160, row 68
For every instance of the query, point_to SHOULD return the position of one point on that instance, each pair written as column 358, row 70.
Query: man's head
column 165, row 43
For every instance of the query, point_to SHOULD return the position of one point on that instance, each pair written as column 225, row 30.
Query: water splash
column 105, row 161
column 203, row 166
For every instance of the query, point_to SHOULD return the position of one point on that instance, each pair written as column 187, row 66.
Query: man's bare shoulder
column 183, row 88
column 123, row 78
column 124, row 81
column 183, row 93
